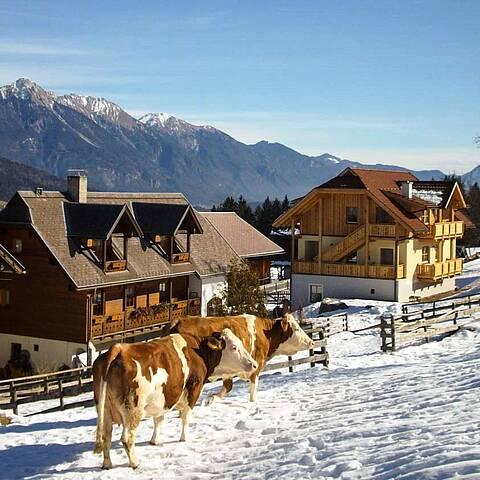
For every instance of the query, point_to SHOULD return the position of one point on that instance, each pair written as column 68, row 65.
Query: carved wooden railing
column 444, row 230
column 439, row 270
column 381, row 230
column 350, row 269
column 143, row 317
column 181, row 257
column 115, row 266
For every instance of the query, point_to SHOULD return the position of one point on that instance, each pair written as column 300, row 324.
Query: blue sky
column 374, row 81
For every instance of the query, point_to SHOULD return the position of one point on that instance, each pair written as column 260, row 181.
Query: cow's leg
column 128, row 440
column 157, row 422
column 227, row 387
column 107, row 442
column 185, row 413
column 253, row 387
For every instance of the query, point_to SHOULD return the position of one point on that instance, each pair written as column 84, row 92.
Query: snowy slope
column 414, row 414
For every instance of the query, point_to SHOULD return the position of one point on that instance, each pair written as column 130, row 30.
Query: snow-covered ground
column 414, row 414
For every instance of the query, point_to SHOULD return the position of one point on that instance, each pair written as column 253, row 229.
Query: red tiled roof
column 246, row 240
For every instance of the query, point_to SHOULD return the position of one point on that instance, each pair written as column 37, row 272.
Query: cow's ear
column 214, row 343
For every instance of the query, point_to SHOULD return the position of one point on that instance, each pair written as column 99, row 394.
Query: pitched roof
column 93, row 220
column 245, row 239
column 210, row 254
column 384, row 187
column 165, row 218
column 8, row 263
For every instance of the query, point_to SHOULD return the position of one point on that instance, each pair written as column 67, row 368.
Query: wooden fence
column 68, row 383
column 65, row 383
column 423, row 321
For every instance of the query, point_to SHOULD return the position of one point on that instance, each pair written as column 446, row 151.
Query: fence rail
column 65, row 383
column 423, row 321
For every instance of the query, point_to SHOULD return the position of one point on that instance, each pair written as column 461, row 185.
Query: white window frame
column 310, row 285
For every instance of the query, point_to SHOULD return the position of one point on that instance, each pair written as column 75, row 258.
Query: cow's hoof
column 106, row 466
column 154, row 442
column 135, row 466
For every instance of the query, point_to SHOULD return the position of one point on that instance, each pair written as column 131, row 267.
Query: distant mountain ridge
column 15, row 176
column 156, row 152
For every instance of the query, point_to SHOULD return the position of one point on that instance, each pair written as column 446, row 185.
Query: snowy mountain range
column 152, row 153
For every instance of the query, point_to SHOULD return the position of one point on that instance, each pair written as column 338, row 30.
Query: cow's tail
column 110, row 356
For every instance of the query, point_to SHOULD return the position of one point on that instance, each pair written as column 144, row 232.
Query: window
column 214, row 307
column 426, row 217
column 426, row 254
column 383, row 217
column 129, row 297
column 435, row 214
column 35, row 347
column 352, row 215
column 316, row 293
column 162, row 289
column 17, row 246
column 386, row 256
column 97, row 302
column 4, row 297
column 311, row 251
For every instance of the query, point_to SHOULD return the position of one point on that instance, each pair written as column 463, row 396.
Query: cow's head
column 234, row 358
column 294, row 338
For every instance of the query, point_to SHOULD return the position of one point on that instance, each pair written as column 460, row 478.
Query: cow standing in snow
column 133, row 381
column 262, row 337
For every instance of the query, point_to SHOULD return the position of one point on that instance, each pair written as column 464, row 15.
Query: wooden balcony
column 182, row 257
column 349, row 270
column 443, row 230
column 136, row 319
column 439, row 270
column 381, row 230
column 115, row 266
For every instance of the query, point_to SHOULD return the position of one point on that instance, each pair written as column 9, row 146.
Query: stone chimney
column 77, row 185
column 407, row 189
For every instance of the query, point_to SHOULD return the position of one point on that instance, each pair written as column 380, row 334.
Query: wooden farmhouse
column 256, row 249
column 375, row 234
column 102, row 267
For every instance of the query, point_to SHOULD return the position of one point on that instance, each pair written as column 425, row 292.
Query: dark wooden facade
column 44, row 303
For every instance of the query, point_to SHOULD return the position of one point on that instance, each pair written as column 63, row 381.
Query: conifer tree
column 243, row 293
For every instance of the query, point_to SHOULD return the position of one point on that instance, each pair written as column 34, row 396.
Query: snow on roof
column 432, row 196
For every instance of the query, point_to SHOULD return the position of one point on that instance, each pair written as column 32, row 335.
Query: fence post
column 290, row 367
column 387, row 322
column 323, row 349
column 346, row 321
column 60, row 388
column 13, row 398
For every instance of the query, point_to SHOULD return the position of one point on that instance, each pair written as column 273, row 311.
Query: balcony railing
column 444, row 230
column 182, row 257
column 141, row 317
column 439, row 270
column 349, row 269
column 115, row 266
column 381, row 230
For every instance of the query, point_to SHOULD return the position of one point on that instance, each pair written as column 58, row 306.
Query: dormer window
column 168, row 226
column 103, row 230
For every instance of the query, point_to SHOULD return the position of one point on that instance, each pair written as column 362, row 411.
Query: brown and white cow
column 134, row 381
column 262, row 337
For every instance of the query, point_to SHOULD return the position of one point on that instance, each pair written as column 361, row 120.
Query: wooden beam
column 367, row 231
column 320, row 233
column 292, row 231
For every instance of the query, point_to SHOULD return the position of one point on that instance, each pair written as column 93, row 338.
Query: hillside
column 15, row 176
column 156, row 152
